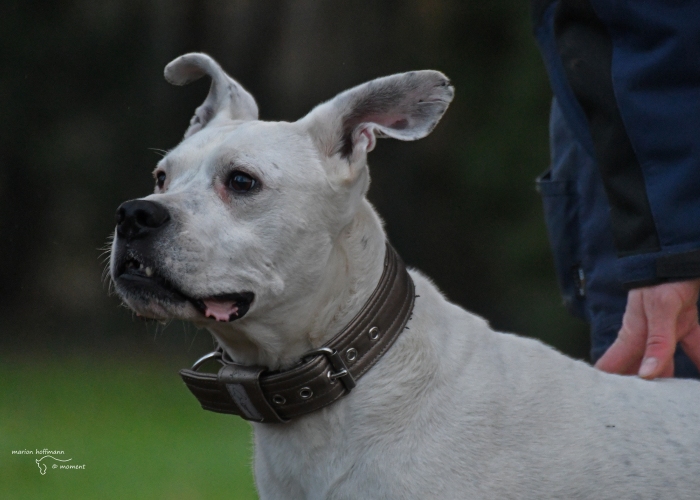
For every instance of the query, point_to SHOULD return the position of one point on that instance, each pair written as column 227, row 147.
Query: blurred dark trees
column 83, row 99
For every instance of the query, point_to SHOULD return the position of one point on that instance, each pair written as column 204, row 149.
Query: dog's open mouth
column 225, row 307
column 142, row 279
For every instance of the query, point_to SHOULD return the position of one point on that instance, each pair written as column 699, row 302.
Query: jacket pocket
column 560, row 203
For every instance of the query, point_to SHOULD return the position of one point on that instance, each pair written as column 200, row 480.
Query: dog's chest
column 304, row 459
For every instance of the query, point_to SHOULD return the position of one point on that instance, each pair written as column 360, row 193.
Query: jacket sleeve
column 628, row 74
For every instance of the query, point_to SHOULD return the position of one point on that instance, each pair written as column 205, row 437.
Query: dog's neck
column 353, row 270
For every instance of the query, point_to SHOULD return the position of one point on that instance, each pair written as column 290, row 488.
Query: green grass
column 137, row 429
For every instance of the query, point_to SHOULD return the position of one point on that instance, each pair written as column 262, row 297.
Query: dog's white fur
column 454, row 409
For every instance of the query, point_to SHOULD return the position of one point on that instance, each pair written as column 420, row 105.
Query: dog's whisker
column 159, row 152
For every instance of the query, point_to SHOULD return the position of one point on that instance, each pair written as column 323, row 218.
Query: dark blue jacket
column 622, row 196
column 626, row 75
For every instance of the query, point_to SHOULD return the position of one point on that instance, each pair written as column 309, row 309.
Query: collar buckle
column 341, row 369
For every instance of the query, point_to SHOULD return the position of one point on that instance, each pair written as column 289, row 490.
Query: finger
column 662, row 319
column 691, row 345
column 626, row 352
column 634, row 367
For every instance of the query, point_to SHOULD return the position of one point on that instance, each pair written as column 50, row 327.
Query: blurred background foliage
column 83, row 101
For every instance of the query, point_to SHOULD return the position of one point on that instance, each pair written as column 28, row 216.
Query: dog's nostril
column 151, row 218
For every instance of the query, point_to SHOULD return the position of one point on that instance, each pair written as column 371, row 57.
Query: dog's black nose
column 138, row 218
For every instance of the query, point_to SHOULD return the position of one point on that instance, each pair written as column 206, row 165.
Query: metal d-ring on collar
column 260, row 395
column 217, row 354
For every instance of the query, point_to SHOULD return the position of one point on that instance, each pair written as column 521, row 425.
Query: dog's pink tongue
column 220, row 310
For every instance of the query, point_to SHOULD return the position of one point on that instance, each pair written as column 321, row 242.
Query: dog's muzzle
column 141, row 226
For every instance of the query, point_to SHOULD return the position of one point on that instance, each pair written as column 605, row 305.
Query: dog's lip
column 134, row 271
column 139, row 272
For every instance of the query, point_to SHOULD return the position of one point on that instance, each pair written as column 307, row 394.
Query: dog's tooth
column 149, row 271
column 140, row 266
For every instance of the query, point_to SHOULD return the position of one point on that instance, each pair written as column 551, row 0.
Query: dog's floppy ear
column 226, row 97
column 405, row 106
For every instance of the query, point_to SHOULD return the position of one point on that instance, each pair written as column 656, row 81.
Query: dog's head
column 245, row 213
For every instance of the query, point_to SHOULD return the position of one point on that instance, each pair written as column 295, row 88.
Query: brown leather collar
column 324, row 375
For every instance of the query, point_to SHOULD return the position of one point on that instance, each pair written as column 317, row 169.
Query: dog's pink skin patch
column 220, row 311
column 221, row 191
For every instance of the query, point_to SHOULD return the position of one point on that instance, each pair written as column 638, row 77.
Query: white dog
column 261, row 233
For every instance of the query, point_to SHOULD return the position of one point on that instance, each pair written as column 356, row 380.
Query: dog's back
column 456, row 410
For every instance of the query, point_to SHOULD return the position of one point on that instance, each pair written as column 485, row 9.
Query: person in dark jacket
column 622, row 196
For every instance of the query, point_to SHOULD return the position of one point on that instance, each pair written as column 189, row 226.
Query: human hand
column 656, row 319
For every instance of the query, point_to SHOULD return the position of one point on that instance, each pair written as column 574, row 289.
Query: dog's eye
column 160, row 179
column 240, row 182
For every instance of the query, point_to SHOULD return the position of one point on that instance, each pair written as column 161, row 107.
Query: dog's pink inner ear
column 366, row 127
column 395, row 121
column 399, row 124
column 368, row 134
